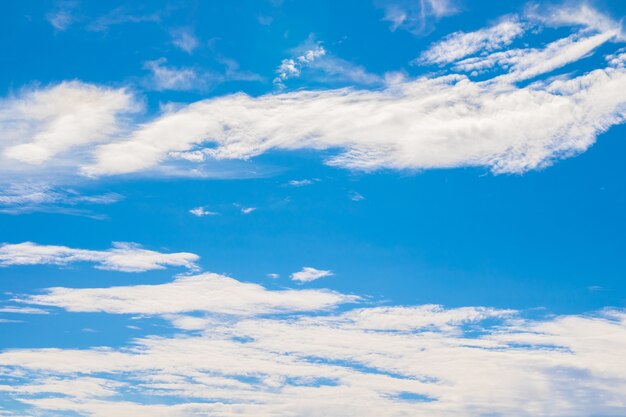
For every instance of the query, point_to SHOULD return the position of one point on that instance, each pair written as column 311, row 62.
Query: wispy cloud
column 184, row 39
column 122, row 15
column 461, row 44
column 124, row 257
column 418, row 16
column 63, row 15
column 38, row 197
column 166, row 77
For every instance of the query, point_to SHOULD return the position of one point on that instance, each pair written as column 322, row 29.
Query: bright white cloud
column 426, row 123
column 247, row 210
column 211, row 293
column 308, row 274
column 126, row 257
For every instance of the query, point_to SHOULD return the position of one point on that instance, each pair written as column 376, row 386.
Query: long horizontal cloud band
column 426, row 123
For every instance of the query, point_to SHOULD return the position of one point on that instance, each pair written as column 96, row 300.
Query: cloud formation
column 427, row 122
column 124, row 257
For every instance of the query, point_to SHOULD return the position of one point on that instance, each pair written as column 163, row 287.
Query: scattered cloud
column 359, row 361
column 308, row 274
column 202, row 212
column 354, row 196
column 124, row 257
column 300, row 183
column 247, row 210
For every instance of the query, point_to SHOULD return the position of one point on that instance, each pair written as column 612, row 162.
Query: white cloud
column 126, row 257
column 40, row 124
column 425, row 123
column 308, row 274
column 202, row 211
column 184, row 39
column 461, row 44
column 247, row 210
column 211, row 293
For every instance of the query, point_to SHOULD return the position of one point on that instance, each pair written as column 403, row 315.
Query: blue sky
column 286, row 208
